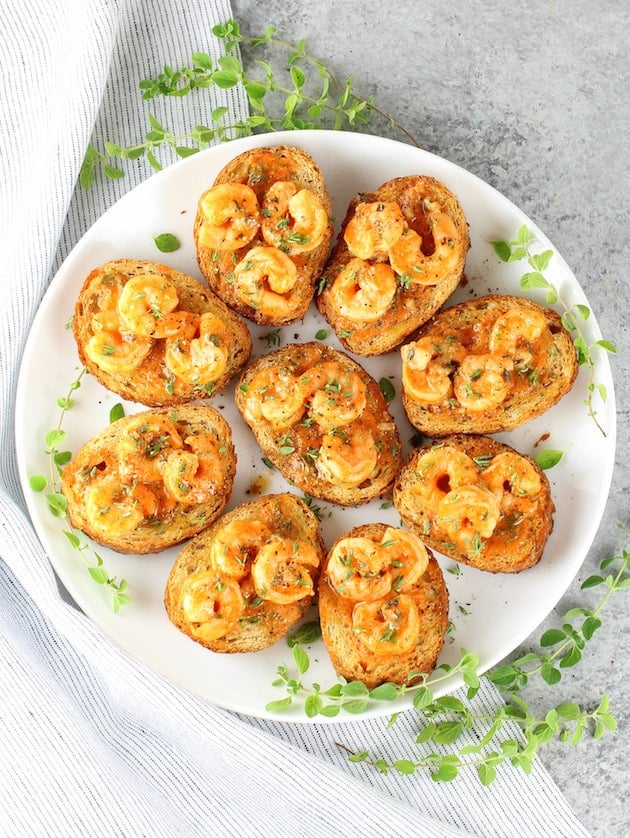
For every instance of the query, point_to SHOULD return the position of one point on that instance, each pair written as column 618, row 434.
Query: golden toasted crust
column 259, row 168
column 171, row 522
column 261, row 623
column 293, row 449
column 532, row 390
column 351, row 659
column 413, row 304
column 151, row 383
column 525, row 522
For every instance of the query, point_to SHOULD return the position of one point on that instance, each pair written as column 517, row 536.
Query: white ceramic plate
column 491, row 615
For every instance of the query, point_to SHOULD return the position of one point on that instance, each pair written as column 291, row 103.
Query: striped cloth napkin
column 94, row 744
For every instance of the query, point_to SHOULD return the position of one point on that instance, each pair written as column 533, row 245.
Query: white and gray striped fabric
column 91, row 743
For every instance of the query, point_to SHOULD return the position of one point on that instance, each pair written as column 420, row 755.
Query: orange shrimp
column 117, row 508
column 212, row 603
column 483, row 381
column 293, row 220
column 389, row 626
column 280, row 571
column 359, row 569
column 408, row 260
column 229, row 215
column 428, row 365
column 347, row 458
column 193, row 476
column 363, row 291
column 440, row 470
column 407, row 555
column 374, row 229
column 236, row 545
column 469, row 515
column 264, row 280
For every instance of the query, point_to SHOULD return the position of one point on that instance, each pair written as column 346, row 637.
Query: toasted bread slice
column 263, row 231
column 383, row 606
column 487, row 365
column 477, row 501
column 166, row 340
column 323, row 422
column 243, row 583
column 152, row 479
column 399, row 255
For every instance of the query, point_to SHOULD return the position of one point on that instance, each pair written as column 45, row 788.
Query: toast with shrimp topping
column 323, row 422
column 400, row 254
column 262, row 233
column 244, row 582
column 478, row 501
column 155, row 335
column 152, row 479
column 487, row 365
column 383, row 605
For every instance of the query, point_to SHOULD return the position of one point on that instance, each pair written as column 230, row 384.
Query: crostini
column 383, row 605
column 244, row 582
column 262, row 233
column 399, row 255
column 478, row 501
column 322, row 420
column 152, row 479
column 487, row 365
column 155, row 335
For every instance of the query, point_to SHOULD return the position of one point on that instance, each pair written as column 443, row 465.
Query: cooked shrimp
column 408, row 260
column 389, row 626
column 347, row 458
column 440, row 470
column 280, row 572
column 203, row 359
column 295, row 221
column 468, row 515
column 482, row 381
column 427, row 368
column 359, row 569
column 193, row 476
column 236, row 545
column 374, row 229
column 264, row 280
column 146, row 307
column 339, row 395
column 274, row 395
column 407, row 555
column 212, row 603
column 112, row 350
column 511, row 474
column 230, row 216
column 117, row 508
column 513, row 334
column 143, row 444
column 363, row 291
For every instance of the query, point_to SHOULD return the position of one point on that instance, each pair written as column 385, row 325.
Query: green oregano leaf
column 167, row 243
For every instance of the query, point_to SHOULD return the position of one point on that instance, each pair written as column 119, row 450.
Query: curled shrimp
column 212, row 603
column 143, row 444
column 291, row 219
column 389, row 626
column 280, row 572
column 407, row 555
column 112, row 350
column 117, row 508
column 482, row 381
column 374, row 229
column 274, row 395
column 363, row 291
column 229, row 216
column 441, row 470
column 201, row 360
column 146, row 307
column 236, row 545
column 514, row 332
column 347, row 458
column 264, row 280
column 509, row 474
column 338, row 396
column 468, row 515
column 193, row 475
column 359, row 569
column 427, row 368
column 408, row 259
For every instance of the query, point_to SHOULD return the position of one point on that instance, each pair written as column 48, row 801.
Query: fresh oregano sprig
column 58, row 505
column 445, row 719
column 524, row 247
column 309, row 97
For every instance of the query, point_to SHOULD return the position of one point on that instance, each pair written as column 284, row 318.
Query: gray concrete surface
column 533, row 98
